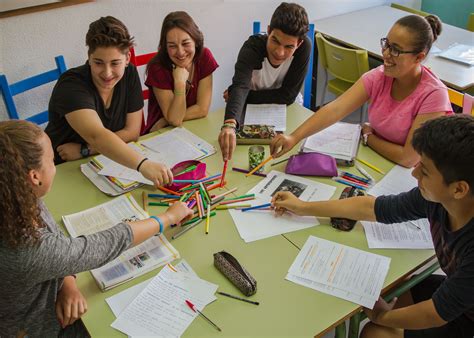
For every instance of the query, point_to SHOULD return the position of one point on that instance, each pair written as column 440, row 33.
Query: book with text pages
column 340, row 140
column 136, row 261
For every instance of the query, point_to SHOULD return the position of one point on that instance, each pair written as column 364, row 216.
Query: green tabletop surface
column 286, row 309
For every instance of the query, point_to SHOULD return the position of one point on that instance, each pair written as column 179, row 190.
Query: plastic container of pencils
column 256, row 156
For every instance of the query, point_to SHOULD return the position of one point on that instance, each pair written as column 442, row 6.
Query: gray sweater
column 32, row 276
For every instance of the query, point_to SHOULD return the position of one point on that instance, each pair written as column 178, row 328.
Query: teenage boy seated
column 439, row 306
column 270, row 68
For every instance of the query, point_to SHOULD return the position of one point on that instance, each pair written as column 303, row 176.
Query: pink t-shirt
column 392, row 119
column 162, row 78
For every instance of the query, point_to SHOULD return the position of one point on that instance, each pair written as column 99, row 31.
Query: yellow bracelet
column 178, row 92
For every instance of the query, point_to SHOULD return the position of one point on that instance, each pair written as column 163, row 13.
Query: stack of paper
column 258, row 224
column 266, row 114
column 159, row 310
column 136, row 261
column 397, row 180
column 459, row 53
column 339, row 270
column 341, row 141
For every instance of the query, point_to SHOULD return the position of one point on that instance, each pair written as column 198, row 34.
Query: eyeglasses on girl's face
column 394, row 51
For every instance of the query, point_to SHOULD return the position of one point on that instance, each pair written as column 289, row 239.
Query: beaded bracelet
column 229, row 125
column 140, row 164
column 159, row 222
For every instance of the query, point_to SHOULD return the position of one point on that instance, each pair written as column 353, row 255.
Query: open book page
column 268, row 224
column 152, row 253
column 164, row 147
column 341, row 141
column 396, row 181
column 342, row 267
column 266, row 114
column 160, row 309
column 406, row 235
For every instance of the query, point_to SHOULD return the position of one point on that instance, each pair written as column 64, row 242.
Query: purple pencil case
column 196, row 174
column 311, row 164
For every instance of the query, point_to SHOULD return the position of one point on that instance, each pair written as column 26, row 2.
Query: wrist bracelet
column 229, row 125
column 365, row 138
column 141, row 162
column 178, row 92
column 159, row 222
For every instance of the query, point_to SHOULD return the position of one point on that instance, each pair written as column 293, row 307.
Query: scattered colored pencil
column 246, row 172
column 145, row 201
column 256, row 207
column 237, row 200
column 225, row 193
column 349, row 183
column 162, row 196
column 278, row 162
column 193, row 224
column 268, row 159
column 208, row 217
column 224, row 170
column 370, row 166
column 238, row 206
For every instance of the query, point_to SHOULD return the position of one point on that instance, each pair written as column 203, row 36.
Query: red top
column 162, row 78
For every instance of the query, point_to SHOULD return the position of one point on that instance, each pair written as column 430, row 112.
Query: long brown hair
column 181, row 20
column 20, row 152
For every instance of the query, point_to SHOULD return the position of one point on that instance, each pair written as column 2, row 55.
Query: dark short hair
column 108, row 32
column 291, row 19
column 181, row 20
column 449, row 142
column 424, row 30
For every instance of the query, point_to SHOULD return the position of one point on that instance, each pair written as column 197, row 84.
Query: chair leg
column 324, row 91
column 354, row 325
column 340, row 331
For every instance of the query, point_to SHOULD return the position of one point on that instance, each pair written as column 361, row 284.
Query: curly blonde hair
column 20, row 152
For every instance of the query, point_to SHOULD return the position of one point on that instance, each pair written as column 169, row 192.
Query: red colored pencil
column 223, row 173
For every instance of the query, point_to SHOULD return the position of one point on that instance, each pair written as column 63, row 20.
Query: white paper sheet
column 396, row 181
column 266, row 114
column 160, row 309
column 399, row 235
column 339, row 140
column 348, row 269
column 258, row 224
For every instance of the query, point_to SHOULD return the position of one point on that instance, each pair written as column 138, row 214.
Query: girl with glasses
column 402, row 94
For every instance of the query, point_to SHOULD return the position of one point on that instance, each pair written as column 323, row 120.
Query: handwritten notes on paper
column 339, row 270
column 160, row 309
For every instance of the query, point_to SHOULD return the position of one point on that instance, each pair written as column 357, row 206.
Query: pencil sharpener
column 346, row 224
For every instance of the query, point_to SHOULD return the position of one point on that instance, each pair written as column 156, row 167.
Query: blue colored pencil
column 163, row 196
column 362, row 179
column 266, row 205
column 350, row 184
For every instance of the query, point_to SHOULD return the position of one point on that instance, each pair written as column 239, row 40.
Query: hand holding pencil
column 284, row 201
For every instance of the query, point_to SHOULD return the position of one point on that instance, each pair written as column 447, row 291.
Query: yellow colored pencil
column 371, row 166
column 145, row 201
column 259, row 166
column 208, row 218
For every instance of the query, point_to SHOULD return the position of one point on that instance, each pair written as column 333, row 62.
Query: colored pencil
column 237, row 200
column 162, row 196
column 346, row 182
column 145, row 201
column 194, row 223
column 278, row 162
column 207, row 218
column 223, row 172
column 243, row 196
column 246, row 172
column 225, row 193
column 159, row 204
column 362, row 179
column 348, row 178
column 239, row 206
column 370, row 165
column 168, row 191
column 269, row 158
column 364, row 172
column 257, row 207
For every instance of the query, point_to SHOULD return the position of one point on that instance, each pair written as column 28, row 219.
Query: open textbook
column 339, row 270
column 136, row 261
column 340, row 140
column 260, row 224
column 115, row 179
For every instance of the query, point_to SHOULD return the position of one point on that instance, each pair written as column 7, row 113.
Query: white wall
column 29, row 42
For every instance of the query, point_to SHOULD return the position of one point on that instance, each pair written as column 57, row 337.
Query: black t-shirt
column 75, row 90
column 454, row 249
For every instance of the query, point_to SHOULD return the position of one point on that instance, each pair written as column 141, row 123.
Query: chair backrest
column 463, row 100
column 343, row 63
column 10, row 90
column 409, row 9
column 140, row 60
column 308, row 80
column 470, row 22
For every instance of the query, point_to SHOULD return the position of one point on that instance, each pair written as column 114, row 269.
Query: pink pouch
column 196, row 174
column 311, row 164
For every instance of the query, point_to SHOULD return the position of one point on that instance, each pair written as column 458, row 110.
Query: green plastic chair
column 470, row 22
column 409, row 9
column 346, row 65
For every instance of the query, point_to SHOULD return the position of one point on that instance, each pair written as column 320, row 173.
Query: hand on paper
column 161, row 123
column 179, row 212
column 227, row 143
column 225, row 95
column 180, row 75
column 158, row 173
column 69, row 151
column 70, row 304
column 380, row 307
column 281, row 144
column 284, row 201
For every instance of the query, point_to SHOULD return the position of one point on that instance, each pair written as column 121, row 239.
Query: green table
column 285, row 309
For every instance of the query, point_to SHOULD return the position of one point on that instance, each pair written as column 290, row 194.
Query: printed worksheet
column 397, row 180
column 266, row 114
